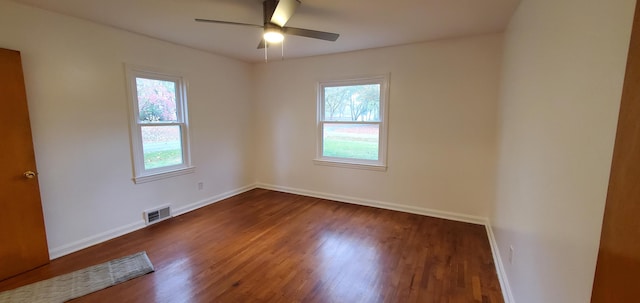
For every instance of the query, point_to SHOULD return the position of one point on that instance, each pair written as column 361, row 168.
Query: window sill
column 349, row 164
column 164, row 175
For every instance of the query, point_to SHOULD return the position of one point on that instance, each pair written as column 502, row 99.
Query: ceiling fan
column 276, row 15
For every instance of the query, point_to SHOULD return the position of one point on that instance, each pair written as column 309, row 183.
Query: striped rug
column 82, row 282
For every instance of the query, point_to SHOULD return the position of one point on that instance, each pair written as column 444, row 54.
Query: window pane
column 161, row 145
column 352, row 103
column 156, row 100
column 351, row 141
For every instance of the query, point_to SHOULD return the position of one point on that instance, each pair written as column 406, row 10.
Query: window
column 159, row 128
column 352, row 129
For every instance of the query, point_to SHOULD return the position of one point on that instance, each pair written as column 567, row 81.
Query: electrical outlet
column 511, row 254
column 200, row 185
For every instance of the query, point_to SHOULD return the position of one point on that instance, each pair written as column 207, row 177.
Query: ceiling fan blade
column 228, row 22
column 261, row 45
column 283, row 12
column 310, row 33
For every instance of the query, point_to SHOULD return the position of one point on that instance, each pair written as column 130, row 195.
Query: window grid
column 360, row 159
column 164, row 152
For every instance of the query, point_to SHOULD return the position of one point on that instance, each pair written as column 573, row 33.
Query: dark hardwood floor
column 266, row 246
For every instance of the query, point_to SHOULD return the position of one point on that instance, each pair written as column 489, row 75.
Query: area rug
column 82, row 282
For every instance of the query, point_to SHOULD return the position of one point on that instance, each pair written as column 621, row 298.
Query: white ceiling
column 362, row 24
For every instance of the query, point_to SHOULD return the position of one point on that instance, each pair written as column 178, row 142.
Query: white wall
column 442, row 124
column 76, row 89
column 561, row 87
column 561, row 84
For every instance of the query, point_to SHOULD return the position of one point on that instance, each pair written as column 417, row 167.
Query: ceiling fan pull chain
column 276, row 14
column 266, row 45
column 282, row 47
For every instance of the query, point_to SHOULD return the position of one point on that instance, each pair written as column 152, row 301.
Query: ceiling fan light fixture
column 273, row 35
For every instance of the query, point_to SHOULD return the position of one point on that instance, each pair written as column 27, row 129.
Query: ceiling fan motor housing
column 276, row 14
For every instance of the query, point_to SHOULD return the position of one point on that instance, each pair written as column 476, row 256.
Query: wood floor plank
column 266, row 246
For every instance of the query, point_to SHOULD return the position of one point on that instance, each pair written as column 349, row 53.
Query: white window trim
column 381, row 163
column 142, row 175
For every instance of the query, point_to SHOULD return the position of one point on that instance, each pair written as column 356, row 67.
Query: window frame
column 141, row 174
column 381, row 163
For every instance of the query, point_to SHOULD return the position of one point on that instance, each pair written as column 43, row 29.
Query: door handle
column 29, row 174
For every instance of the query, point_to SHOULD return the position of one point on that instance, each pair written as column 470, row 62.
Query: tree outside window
column 351, row 121
column 159, row 124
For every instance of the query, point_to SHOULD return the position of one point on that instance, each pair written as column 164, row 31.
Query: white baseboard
column 497, row 260
column 211, row 200
column 66, row 249
column 93, row 240
column 378, row 204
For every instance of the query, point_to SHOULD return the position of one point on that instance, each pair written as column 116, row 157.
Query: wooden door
column 617, row 276
column 23, row 243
